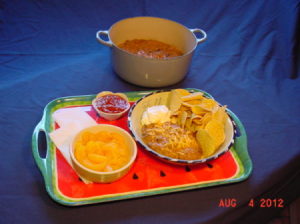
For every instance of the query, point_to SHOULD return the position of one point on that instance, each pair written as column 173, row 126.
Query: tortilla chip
column 216, row 130
column 197, row 121
column 220, row 114
column 197, row 109
column 174, row 119
column 182, row 118
column 206, row 142
column 183, row 92
column 194, row 102
column 193, row 96
column 205, row 119
column 188, row 123
column 184, row 108
column 174, row 101
column 209, row 104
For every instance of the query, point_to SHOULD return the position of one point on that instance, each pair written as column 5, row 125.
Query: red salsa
column 111, row 104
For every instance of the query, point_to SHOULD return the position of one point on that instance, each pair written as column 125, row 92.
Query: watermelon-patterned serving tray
column 148, row 176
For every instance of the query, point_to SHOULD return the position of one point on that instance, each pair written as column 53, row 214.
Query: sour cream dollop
column 156, row 114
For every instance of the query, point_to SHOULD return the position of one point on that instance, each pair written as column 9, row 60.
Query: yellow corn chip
column 194, row 127
column 174, row 101
column 220, row 114
column 206, row 142
column 188, row 123
column 182, row 118
column 175, row 113
column 174, row 119
column 182, row 92
column 189, row 113
column 216, row 130
column 197, row 121
column 184, row 104
column 184, row 108
column 193, row 96
column 196, row 118
column 209, row 104
column 196, row 109
column 205, row 119
column 194, row 102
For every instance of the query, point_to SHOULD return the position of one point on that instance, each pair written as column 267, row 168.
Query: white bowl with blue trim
column 161, row 98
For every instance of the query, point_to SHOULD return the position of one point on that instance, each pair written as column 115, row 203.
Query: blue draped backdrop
column 249, row 62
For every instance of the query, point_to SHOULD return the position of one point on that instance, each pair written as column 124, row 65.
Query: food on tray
column 102, row 151
column 150, row 48
column 156, row 114
column 171, row 140
column 111, row 105
column 216, row 130
column 194, row 126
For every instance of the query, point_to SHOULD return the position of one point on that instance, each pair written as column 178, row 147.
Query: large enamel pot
column 151, row 72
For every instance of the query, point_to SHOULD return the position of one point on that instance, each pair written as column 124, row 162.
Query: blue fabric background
column 250, row 62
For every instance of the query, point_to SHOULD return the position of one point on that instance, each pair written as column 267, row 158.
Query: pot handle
column 102, row 41
column 194, row 31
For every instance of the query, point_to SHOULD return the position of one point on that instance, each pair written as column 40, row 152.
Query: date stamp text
column 261, row 203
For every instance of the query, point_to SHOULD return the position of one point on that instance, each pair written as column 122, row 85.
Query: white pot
column 151, row 72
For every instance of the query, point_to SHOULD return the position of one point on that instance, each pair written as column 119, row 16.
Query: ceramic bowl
column 104, row 177
column 151, row 72
column 161, row 98
column 111, row 116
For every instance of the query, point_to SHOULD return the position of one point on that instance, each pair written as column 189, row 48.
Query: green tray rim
column 47, row 165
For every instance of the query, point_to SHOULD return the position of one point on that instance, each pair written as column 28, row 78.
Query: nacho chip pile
column 200, row 115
